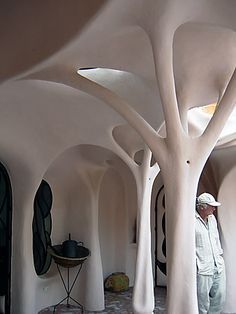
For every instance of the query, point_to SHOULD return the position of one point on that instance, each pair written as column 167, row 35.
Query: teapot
column 70, row 248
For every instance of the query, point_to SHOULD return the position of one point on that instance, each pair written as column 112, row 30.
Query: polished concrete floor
column 115, row 303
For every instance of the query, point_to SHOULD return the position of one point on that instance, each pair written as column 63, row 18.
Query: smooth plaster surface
column 167, row 57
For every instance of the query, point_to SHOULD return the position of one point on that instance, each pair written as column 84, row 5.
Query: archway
column 5, row 240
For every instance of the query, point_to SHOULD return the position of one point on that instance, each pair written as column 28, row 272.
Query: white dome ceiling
column 110, row 36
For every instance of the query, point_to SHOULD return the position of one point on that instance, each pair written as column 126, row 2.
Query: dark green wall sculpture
column 42, row 227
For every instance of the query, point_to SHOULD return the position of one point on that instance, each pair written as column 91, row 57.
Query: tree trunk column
column 143, row 295
column 181, row 257
column 94, row 289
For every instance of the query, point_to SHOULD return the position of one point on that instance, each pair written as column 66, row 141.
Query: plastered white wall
column 176, row 54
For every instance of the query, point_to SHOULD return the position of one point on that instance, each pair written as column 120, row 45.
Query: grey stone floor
column 115, row 303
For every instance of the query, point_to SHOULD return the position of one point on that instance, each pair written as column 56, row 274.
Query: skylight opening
column 199, row 118
column 86, row 69
column 90, row 70
column 210, row 108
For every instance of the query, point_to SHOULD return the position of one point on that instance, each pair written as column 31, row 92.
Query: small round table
column 68, row 262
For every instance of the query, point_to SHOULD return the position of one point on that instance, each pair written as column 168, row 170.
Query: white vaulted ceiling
column 107, row 36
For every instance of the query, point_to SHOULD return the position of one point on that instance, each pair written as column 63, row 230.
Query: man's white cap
column 207, row 198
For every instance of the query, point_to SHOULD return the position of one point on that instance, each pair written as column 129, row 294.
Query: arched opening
column 94, row 199
column 159, row 232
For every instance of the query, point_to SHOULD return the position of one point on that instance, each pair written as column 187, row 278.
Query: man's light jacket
column 208, row 247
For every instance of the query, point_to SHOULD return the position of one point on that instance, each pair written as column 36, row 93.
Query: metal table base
column 68, row 288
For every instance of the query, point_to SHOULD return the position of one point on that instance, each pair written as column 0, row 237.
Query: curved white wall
column 113, row 223
column 227, row 220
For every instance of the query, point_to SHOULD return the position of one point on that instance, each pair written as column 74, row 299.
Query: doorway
column 5, row 240
column 160, row 237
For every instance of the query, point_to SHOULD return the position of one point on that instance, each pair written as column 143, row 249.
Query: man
column 211, row 283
